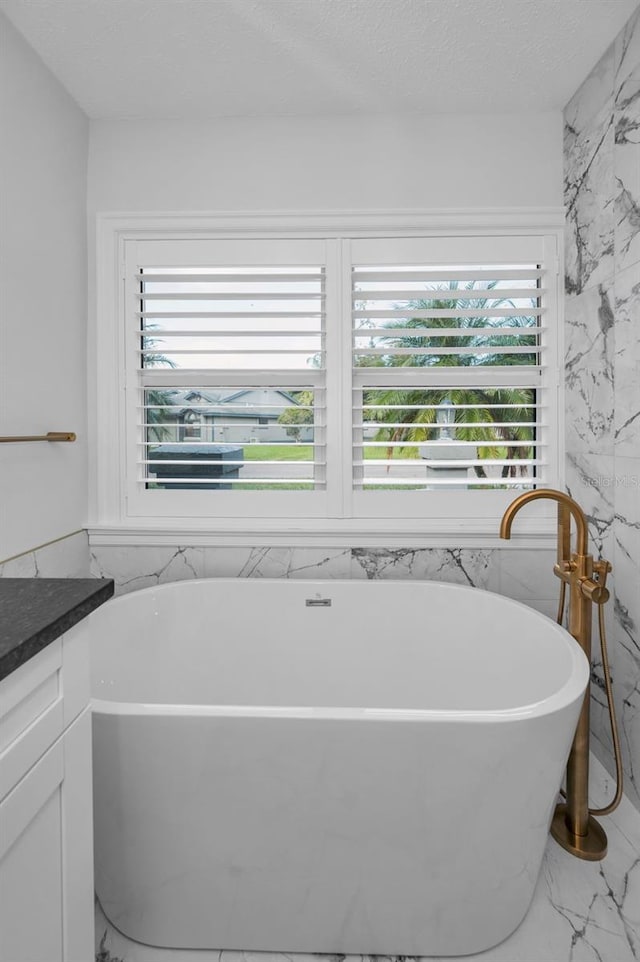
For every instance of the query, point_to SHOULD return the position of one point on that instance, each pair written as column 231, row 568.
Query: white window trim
column 109, row 524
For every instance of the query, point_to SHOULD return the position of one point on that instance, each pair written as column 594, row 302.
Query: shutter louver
column 447, row 369
column 231, row 378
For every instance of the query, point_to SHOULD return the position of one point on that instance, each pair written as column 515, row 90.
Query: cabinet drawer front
column 28, row 691
column 25, row 751
column 31, row 714
column 21, row 805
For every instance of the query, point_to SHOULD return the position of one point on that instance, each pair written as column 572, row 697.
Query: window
column 332, row 378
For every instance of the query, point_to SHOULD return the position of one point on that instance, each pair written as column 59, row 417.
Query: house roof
column 212, row 402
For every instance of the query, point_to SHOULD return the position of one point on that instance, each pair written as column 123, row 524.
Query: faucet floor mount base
column 592, row 846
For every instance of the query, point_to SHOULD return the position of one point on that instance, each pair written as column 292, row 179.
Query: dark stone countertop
column 36, row 611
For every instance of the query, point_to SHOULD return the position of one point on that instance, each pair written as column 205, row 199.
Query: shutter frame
column 114, row 424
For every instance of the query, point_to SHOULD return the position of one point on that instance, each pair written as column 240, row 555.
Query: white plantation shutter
column 448, row 366
column 227, row 364
column 336, row 376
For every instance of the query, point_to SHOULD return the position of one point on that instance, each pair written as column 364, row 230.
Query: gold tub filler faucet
column 573, row 824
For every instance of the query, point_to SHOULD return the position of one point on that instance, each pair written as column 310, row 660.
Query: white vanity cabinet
column 46, row 835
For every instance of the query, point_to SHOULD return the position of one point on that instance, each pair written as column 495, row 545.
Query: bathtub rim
column 101, row 707
column 574, row 687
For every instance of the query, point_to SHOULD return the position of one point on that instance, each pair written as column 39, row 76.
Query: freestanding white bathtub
column 326, row 766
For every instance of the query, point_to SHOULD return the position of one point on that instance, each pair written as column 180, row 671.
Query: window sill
column 472, row 533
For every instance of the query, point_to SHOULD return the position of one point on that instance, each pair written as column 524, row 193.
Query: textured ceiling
column 210, row 58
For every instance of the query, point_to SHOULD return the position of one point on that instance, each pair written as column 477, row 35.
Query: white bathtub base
column 407, row 855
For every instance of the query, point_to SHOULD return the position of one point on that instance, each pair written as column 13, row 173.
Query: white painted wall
column 327, row 163
column 43, row 299
column 322, row 163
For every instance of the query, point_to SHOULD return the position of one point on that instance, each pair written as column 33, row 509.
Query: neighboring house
column 241, row 417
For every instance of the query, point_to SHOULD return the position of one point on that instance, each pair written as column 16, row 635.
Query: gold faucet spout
column 565, row 503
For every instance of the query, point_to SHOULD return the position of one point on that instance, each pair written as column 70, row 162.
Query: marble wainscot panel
column 589, row 370
column 627, row 172
column 626, row 560
column 141, row 567
column 581, row 911
column 589, row 185
column 590, row 480
column 456, row 565
column 66, row 558
column 627, row 362
column 525, row 575
column 626, row 604
column 627, row 48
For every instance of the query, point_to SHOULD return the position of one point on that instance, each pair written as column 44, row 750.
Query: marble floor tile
column 581, row 911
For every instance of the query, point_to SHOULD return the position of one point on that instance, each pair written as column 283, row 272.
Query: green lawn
column 278, row 452
column 304, row 452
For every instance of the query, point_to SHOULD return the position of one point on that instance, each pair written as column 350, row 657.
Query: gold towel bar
column 50, row 436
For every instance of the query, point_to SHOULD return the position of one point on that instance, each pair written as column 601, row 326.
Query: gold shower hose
column 610, row 705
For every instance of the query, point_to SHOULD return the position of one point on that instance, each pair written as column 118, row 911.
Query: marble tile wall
column 66, row 558
column 526, row 575
column 602, row 341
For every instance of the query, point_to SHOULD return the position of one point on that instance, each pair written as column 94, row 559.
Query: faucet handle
column 595, row 588
column 601, row 569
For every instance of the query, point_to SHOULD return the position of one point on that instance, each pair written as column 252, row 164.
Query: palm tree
column 504, row 426
column 156, row 401
column 158, row 410
column 499, row 415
